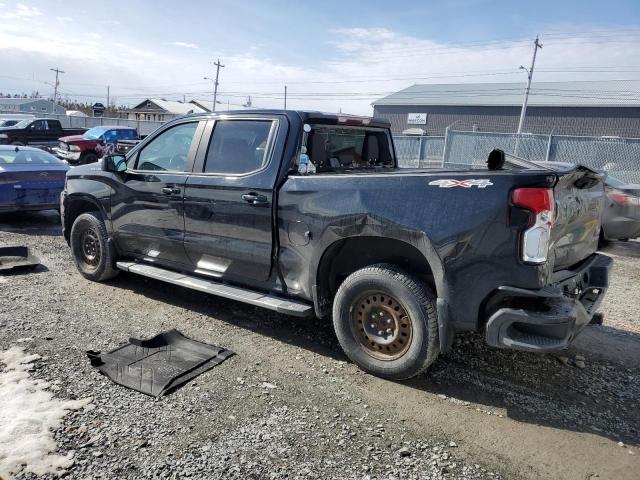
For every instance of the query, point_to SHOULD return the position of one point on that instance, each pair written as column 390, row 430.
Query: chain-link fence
column 144, row 127
column 419, row 151
column 620, row 157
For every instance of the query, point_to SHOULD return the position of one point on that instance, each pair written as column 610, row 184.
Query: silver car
column 621, row 216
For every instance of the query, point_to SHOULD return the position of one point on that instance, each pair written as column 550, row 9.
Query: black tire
column 88, row 158
column 92, row 250
column 411, row 300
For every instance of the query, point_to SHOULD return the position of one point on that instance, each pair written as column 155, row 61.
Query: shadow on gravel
column 46, row 223
column 624, row 249
column 311, row 334
column 601, row 399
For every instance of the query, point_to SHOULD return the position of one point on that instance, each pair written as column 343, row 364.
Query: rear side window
column 169, row 150
column 238, row 146
column 333, row 148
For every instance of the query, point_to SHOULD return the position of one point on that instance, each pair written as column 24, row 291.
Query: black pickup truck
column 308, row 214
column 42, row 132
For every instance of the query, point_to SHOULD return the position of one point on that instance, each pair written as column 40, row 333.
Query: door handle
column 255, row 199
column 170, row 190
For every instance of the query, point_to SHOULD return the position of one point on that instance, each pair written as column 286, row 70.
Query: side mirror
column 114, row 163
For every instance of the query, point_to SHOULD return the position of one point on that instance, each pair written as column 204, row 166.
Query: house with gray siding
column 33, row 106
column 159, row 109
column 592, row 108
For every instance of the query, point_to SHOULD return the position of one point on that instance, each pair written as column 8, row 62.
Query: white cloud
column 183, row 44
column 64, row 19
column 21, row 11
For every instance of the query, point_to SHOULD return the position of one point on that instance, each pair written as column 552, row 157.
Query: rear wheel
column 92, row 251
column 386, row 322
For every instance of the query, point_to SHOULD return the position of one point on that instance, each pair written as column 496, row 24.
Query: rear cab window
column 337, row 148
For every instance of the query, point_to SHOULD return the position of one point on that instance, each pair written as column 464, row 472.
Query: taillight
column 535, row 240
column 619, row 197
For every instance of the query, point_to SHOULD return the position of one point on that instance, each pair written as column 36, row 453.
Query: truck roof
column 305, row 116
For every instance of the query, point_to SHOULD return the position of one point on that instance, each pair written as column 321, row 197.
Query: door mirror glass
column 115, row 163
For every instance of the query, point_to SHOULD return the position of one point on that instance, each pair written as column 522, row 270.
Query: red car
column 93, row 144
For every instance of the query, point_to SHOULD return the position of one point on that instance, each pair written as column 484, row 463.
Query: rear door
column 147, row 208
column 229, row 199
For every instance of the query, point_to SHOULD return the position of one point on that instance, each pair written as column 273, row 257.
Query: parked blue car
column 30, row 179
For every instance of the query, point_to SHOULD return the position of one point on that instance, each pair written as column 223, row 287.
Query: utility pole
column 55, row 87
column 285, row 97
column 108, row 97
column 215, row 88
column 523, row 112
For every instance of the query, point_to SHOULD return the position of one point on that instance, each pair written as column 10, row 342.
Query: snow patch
column 29, row 414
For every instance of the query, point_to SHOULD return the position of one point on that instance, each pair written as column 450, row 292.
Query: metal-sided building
column 594, row 108
column 33, row 106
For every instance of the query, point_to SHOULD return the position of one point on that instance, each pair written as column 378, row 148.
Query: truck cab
column 41, row 132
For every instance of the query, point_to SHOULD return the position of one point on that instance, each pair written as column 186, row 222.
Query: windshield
column 338, row 148
column 23, row 123
column 94, row 133
column 15, row 156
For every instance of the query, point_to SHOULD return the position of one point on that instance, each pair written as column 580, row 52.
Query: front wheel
column 92, row 251
column 386, row 322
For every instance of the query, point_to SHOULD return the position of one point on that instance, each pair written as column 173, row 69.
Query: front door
column 147, row 208
column 37, row 132
column 229, row 200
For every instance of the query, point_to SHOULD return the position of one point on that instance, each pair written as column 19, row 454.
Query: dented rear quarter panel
column 463, row 233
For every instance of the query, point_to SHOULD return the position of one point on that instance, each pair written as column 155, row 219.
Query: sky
column 331, row 55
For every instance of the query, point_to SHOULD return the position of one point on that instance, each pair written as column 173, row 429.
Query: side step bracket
column 259, row 299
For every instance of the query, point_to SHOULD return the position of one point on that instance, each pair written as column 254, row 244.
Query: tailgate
column 579, row 201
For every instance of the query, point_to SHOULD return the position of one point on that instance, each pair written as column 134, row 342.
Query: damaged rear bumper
column 548, row 319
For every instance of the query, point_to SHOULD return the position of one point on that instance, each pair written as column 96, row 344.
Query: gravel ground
column 289, row 405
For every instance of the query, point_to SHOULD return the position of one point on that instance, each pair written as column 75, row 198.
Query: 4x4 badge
column 472, row 182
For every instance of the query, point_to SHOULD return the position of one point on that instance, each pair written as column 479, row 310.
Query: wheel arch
column 346, row 255
column 76, row 205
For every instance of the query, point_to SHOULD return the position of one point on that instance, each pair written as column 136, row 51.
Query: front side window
column 331, row 148
column 39, row 125
column 238, row 146
column 168, row 151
